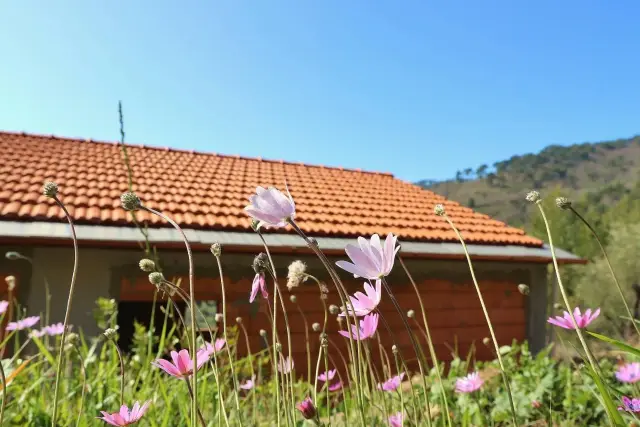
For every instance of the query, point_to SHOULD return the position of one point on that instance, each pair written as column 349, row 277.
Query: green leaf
column 621, row 345
column 610, row 406
column 44, row 350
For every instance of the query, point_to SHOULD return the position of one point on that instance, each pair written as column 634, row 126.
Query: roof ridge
column 188, row 151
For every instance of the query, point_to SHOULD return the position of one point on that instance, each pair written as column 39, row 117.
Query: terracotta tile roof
column 204, row 190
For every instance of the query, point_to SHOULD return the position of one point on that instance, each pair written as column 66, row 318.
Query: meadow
column 176, row 376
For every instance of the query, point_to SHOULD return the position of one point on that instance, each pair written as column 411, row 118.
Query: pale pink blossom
column 469, row 384
column 258, row 284
column 395, row 420
column 182, row 365
column 392, row 383
column 629, row 373
column 583, row 320
column 249, row 383
column 271, row 207
column 21, row 324
column 210, row 349
column 307, row 408
column 363, row 304
column 335, row 386
column 370, row 259
column 327, row 376
column 367, row 328
column 126, row 417
column 55, row 329
column 3, row 306
column 285, row 365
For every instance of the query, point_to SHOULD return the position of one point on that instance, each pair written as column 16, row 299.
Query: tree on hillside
column 482, row 171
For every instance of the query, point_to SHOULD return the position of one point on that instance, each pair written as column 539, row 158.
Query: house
column 205, row 194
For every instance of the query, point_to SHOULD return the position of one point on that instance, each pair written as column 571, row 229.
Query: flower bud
column 50, row 189
column 219, row 317
column 293, row 298
column 523, row 289
column 533, row 197
column 13, row 255
column 263, row 333
column 563, row 203
column 147, row 265
column 486, row 341
column 394, row 349
column 307, row 408
column 238, row 319
column 11, row 283
column 260, row 263
column 333, row 309
column 316, row 327
column 156, row 278
column 439, row 210
column 411, row 314
column 109, row 333
column 278, row 347
column 216, row 249
column 130, row 201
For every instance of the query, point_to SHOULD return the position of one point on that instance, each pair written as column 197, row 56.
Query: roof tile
column 209, row 191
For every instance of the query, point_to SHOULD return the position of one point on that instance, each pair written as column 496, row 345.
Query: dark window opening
column 140, row 311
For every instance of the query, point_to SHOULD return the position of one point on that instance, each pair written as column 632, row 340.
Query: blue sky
column 419, row 89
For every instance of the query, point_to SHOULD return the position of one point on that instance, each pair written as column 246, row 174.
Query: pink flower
column 469, row 384
column 213, row 348
column 285, row 365
column 3, row 306
column 536, row 404
column 335, row 386
column 327, row 376
column 55, row 329
column 371, row 260
column 271, row 207
column 629, row 373
column 182, row 365
column 37, row 333
column 363, row 304
column 392, row 383
column 124, row 417
column 249, row 384
column 307, row 408
column 367, row 328
column 258, row 283
column 630, row 405
column 21, row 324
column 395, row 420
column 582, row 320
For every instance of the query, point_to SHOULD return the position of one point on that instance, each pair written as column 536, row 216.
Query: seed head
column 109, row 333
column 11, row 283
column 533, row 197
column 394, row 349
column 216, row 249
column 296, row 274
column 238, row 319
column 333, row 309
column 486, row 341
column 50, row 189
column 147, row 265
column 315, row 327
column 523, row 289
column 156, row 278
column 218, row 317
column 13, row 255
column 130, row 201
column 260, row 263
column 278, row 347
column 263, row 333
column 563, row 203
column 71, row 338
column 411, row 314
column 293, row 298
column 439, row 210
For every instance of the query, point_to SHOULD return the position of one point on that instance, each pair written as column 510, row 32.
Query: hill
column 602, row 173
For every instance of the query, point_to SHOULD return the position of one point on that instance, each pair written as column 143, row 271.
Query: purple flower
column 21, row 324
column 307, row 408
column 249, row 384
column 335, row 386
column 630, row 405
column 367, row 328
column 285, row 365
column 210, row 349
column 395, row 420
column 126, row 417
column 582, row 320
column 370, row 260
column 271, row 208
column 327, row 376
column 3, row 306
column 363, row 304
column 629, row 373
column 55, row 329
column 392, row 383
column 258, row 283
column 469, row 384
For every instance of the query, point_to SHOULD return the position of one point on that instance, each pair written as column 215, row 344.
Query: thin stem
column 121, row 359
column 253, row 394
column 56, row 388
column 432, row 352
column 4, row 393
column 306, row 338
column 606, row 258
column 505, row 379
column 226, row 339
column 326, row 369
column 84, row 386
column 200, row 417
column 194, row 360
